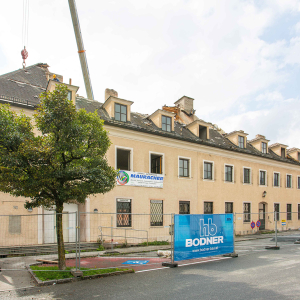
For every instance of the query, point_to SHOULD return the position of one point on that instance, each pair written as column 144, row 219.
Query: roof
column 277, row 145
column 24, row 86
column 140, row 122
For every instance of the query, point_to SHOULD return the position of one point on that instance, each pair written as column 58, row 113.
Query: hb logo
column 207, row 229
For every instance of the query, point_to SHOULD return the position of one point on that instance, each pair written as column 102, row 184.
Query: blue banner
column 202, row 235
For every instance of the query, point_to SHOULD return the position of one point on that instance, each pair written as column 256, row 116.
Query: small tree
column 65, row 163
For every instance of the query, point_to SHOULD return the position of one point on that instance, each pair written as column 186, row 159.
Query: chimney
column 110, row 92
column 186, row 103
column 70, row 81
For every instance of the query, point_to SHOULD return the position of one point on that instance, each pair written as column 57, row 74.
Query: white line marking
column 152, row 269
column 201, row 262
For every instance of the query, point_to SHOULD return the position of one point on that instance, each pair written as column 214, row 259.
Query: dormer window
column 120, row 112
column 264, row 147
column 166, row 123
column 241, row 141
column 283, row 152
column 202, row 132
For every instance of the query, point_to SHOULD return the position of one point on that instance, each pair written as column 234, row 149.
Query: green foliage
column 66, row 162
column 155, row 243
column 100, row 248
column 52, row 273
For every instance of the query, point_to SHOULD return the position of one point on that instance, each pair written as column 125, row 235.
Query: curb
column 65, row 280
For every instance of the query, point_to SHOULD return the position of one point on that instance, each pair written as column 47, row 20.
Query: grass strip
column 52, row 273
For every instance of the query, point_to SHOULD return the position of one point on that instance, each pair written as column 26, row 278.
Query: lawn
column 52, row 273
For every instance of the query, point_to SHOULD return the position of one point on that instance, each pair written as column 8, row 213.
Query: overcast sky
column 239, row 60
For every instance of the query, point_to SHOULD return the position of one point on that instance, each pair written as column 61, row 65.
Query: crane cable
column 24, row 52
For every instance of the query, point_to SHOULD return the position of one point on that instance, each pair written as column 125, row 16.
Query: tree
column 65, row 163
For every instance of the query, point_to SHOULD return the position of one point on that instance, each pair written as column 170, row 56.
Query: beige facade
column 203, row 169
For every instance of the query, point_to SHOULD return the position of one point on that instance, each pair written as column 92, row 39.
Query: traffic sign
column 283, row 222
column 258, row 223
column 252, row 224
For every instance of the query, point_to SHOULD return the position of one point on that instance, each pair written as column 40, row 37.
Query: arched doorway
column 262, row 215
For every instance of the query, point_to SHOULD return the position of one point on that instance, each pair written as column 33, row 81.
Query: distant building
column 172, row 162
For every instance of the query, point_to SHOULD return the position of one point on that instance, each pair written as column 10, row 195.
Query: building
column 175, row 163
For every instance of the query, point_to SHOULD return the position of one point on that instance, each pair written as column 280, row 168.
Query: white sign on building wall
column 140, row 179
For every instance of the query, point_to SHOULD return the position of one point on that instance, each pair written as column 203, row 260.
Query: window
column 184, row 207
column 264, row 147
column 298, row 182
column 123, row 212
column 156, row 212
column 262, row 177
column 299, row 156
column 202, row 132
column 208, row 208
column 241, row 140
column 208, row 170
column 184, row 168
column 166, row 123
column 14, row 225
column 247, row 212
column 228, row 207
column 156, row 163
column 298, row 211
column 276, row 179
column 289, row 212
column 228, row 173
column 123, row 159
column 283, row 152
column 276, row 210
column 247, row 173
column 69, row 96
column 120, row 112
column 288, row 181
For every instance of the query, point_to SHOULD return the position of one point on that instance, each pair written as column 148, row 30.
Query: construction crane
column 81, row 51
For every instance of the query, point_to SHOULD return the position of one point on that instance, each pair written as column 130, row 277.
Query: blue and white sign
column 135, row 262
column 202, row 235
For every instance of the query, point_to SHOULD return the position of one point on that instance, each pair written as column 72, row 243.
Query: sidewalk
column 21, row 279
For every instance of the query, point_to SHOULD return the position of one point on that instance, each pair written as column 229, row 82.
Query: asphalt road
column 256, row 274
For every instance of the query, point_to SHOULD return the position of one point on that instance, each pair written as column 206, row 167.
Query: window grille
column 123, row 213
column 208, row 207
column 228, row 207
column 156, row 212
column 184, row 207
column 289, row 212
column 247, row 212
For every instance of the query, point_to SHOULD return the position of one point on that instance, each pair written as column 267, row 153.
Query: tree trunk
column 60, row 238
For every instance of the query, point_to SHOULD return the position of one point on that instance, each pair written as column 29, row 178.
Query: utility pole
column 81, row 51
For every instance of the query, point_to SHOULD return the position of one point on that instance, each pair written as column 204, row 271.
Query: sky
column 239, row 59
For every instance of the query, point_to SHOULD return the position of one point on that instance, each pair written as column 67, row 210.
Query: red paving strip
column 154, row 263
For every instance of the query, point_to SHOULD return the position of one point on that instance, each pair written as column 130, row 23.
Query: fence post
column 76, row 236
column 275, row 228
column 79, row 239
column 112, row 240
column 172, row 238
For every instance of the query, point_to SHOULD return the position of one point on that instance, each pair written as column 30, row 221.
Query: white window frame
column 163, row 161
column 212, row 171
column 266, row 177
column 278, row 181
column 190, row 167
column 131, row 156
column 249, row 176
column 229, row 165
column 286, row 181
